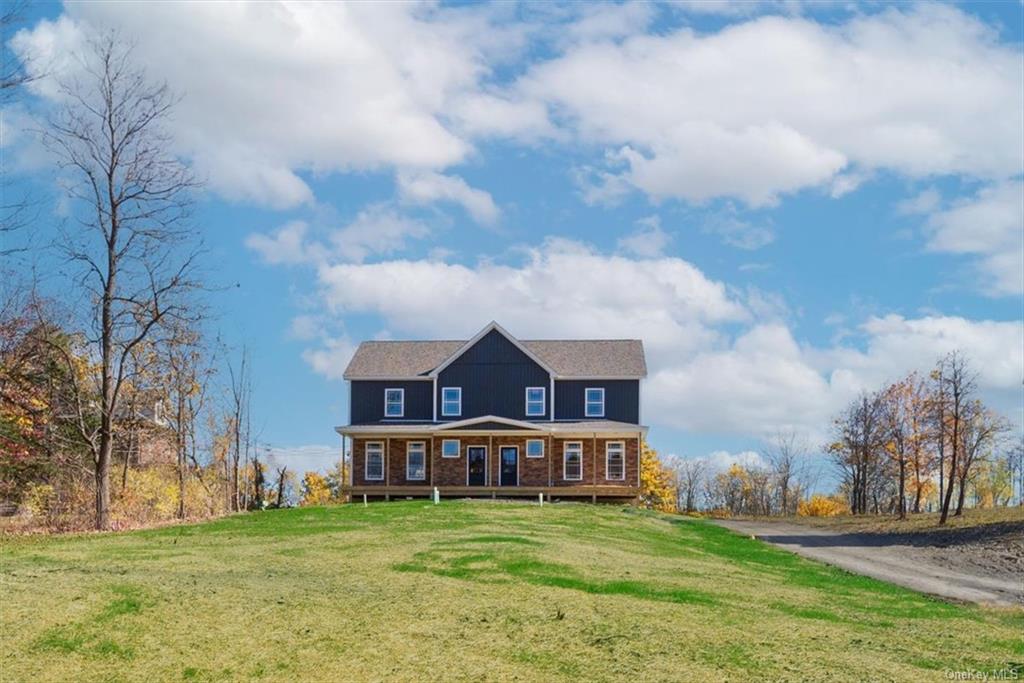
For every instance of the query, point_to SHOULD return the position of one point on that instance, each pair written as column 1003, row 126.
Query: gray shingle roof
column 592, row 358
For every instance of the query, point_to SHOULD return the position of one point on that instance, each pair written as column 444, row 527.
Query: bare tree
column 981, row 433
column 689, row 476
column 241, row 397
column 857, row 449
column 131, row 247
column 786, row 455
column 956, row 384
column 16, row 209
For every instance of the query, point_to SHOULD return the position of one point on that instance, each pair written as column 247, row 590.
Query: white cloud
column 331, row 358
column 649, row 240
column 377, row 229
column 777, row 104
column 285, row 246
column 991, row 225
column 429, row 187
column 738, row 232
column 275, row 91
column 923, row 202
column 301, row 459
column 563, row 288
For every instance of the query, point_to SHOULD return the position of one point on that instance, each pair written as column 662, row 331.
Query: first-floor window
column 374, row 461
column 573, row 461
column 535, row 448
column 450, row 448
column 615, row 460
column 416, row 461
column 394, row 402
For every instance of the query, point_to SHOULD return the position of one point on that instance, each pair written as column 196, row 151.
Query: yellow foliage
column 822, row 506
column 315, row 490
column 656, row 486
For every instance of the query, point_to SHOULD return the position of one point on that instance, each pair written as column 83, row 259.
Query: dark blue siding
column 621, row 399
column 368, row 400
column 494, row 374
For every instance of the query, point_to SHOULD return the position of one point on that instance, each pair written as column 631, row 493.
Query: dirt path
column 959, row 571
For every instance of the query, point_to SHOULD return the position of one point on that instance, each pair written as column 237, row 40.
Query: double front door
column 508, row 466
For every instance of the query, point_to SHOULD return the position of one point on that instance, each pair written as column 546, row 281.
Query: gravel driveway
column 984, row 567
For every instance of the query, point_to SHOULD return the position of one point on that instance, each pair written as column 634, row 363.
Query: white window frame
column 458, row 448
column 444, row 411
column 408, row 452
column 377, row 446
column 401, row 402
column 542, row 448
column 576, row 446
column 586, row 402
column 543, row 401
column 621, row 445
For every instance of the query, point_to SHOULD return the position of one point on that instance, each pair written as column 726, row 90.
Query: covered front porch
column 594, row 493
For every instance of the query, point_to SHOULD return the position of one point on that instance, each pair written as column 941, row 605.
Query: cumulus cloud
column 331, row 358
column 276, row 91
column 649, row 240
column 777, row 104
column 377, row 229
column 989, row 224
column 738, row 232
column 286, row 246
column 429, row 187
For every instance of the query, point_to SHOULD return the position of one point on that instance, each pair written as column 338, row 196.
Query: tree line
column 921, row 443
column 115, row 396
column 924, row 436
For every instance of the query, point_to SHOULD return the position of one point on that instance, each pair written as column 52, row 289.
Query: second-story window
column 394, row 402
column 594, row 402
column 535, row 401
column 451, row 401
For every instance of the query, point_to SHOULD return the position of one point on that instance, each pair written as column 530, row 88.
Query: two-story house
column 496, row 416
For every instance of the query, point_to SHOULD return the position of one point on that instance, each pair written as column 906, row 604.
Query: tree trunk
column 103, row 481
column 960, row 497
column 903, row 489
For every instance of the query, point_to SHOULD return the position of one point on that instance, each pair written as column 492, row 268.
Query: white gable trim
column 469, row 422
column 480, row 335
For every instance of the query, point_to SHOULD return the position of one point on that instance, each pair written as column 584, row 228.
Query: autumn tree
column 904, row 414
column 656, row 488
column 315, row 489
column 131, row 238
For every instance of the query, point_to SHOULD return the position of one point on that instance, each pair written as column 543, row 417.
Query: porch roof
column 508, row 426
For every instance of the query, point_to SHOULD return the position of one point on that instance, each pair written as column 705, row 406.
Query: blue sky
column 788, row 202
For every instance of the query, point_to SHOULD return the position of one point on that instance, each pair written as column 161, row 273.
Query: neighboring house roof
column 568, row 358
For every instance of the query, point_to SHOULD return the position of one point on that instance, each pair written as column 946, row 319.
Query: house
column 496, row 416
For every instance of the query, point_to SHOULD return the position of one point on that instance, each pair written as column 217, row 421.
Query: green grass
column 467, row 591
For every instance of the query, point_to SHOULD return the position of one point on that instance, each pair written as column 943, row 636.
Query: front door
column 509, row 466
column 476, row 462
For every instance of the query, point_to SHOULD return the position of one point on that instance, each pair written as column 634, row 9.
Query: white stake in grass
column 437, row 496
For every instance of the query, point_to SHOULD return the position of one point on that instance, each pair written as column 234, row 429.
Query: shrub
column 822, row 506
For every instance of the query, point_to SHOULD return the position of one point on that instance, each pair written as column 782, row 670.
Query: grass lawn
column 466, row 591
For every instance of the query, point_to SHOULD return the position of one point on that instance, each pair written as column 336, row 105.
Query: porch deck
column 594, row 492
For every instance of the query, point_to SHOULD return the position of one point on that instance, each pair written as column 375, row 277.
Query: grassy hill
column 466, row 591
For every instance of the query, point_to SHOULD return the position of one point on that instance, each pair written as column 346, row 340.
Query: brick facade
column 545, row 471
